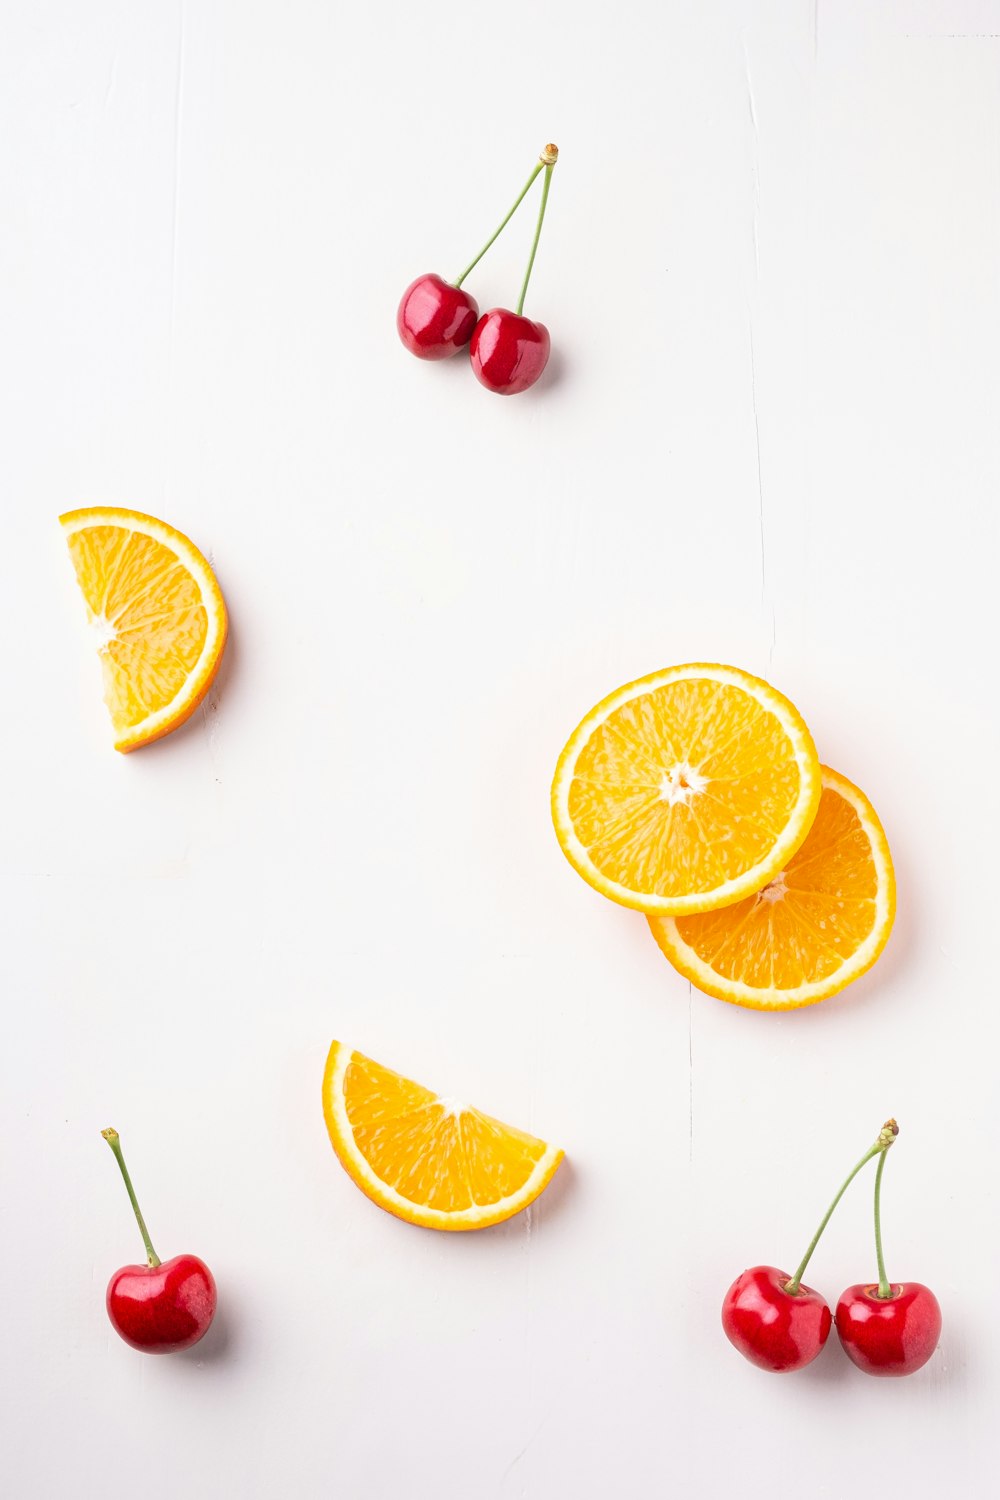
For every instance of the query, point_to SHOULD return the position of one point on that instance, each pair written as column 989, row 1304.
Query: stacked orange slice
column 696, row 796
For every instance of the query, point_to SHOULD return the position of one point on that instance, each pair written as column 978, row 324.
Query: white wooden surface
column 769, row 436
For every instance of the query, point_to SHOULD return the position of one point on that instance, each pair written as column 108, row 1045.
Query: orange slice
column 819, row 924
column 429, row 1160
column 159, row 617
column 686, row 790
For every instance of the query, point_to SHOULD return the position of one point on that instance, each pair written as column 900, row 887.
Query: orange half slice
column 428, row 1159
column 158, row 615
column 818, row 925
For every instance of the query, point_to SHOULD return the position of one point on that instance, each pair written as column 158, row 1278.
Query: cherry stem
column 114, row 1141
column 884, row 1289
column 517, row 203
column 886, row 1137
column 538, row 231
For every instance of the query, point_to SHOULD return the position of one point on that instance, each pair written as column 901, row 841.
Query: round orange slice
column 686, row 790
column 819, row 924
column 428, row 1159
column 158, row 615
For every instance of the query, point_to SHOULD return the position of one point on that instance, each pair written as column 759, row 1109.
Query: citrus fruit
column 686, row 790
column 822, row 921
column 429, row 1160
column 158, row 615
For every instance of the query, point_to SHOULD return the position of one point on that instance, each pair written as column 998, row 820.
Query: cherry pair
column 436, row 318
column 780, row 1325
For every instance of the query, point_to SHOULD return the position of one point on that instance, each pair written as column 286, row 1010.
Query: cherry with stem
column 163, row 1306
column 509, row 351
column 887, row 1329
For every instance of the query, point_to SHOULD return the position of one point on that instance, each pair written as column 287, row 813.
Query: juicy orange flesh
column 436, row 1158
column 630, row 828
column 823, row 911
column 151, row 608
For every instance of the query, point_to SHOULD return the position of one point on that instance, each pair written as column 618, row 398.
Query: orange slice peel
column 424, row 1157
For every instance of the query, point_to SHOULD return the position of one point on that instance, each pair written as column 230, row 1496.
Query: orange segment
column 686, row 790
column 427, row 1159
column 819, row 924
column 158, row 614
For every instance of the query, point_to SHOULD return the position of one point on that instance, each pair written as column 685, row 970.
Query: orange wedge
column 158, row 614
column 429, row 1160
column 819, row 924
column 686, row 790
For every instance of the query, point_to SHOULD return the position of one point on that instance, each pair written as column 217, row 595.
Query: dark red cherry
column 508, row 351
column 892, row 1335
column 771, row 1327
column 435, row 319
column 165, row 1305
column 161, row 1309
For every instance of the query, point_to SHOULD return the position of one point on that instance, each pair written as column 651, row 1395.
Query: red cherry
column 771, row 1327
column 435, row 319
column 509, row 352
column 889, row 1335
column 160, row 1309
column 162, row 1306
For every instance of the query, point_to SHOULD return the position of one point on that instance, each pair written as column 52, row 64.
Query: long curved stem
column 793, row 1285
column 114, row 1141
column 503, row 225
column 886, row 1136
column 884, row 1289
column 538, row 231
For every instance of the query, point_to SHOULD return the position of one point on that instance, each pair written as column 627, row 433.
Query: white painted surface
column 770, row 436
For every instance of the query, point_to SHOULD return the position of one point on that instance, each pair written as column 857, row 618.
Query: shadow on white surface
column 218, row 1343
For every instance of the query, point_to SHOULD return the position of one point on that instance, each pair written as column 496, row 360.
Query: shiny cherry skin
column 161, row 1309
column 771, row 1328
column 889, row 1335
column 435, row 319
column 508, row 352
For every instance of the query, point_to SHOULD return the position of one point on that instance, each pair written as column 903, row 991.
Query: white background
column 771, row 271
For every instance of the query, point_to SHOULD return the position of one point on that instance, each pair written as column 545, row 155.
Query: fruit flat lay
column 436, row 318
column 609, row 770
column 780, row 1324
column 157, row 614
column 163, row 1306
column 430, row 1160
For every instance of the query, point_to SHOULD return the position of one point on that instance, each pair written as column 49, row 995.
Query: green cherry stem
column 114, row 1141
column 884, row 1289
column 538, row 227
column 543, row 161
column 886, row 1137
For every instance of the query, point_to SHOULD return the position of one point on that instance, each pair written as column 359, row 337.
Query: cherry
column 435, row 319
column 770, row 1317
column 508, row 352
column 160, row 1309
column 886, row 1329
column 893, row 1335
column 772, row 1327
column 163, row 1306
